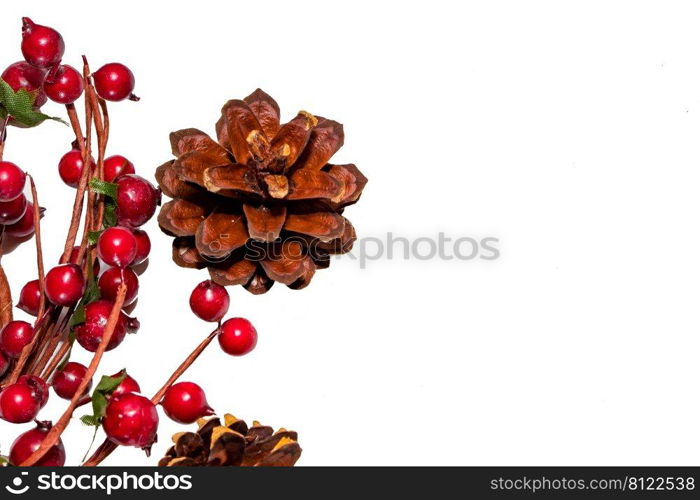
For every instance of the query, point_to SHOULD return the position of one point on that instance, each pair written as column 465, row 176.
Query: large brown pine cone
column 233, row 444
column 263, row 204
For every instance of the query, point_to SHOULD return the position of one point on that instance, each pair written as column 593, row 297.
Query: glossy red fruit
column 117, row 246
column 114, row 82
column 209, row 301
column 112, row 278
column 65, row 285
column 117, row 165
column 12, row 211
column 143, row 246
column 27, row 443
column 185, row 402
column 30, row 298
column 4, row 364
column 73, row 259
column 38, row 386
column 64, row 85
column 238, row 336
column 125, row 386
column 89, row 334
column 131, row 420
column 41, row 46
column 19, row 404
column 22, row 75
column 65, row 382
column 136, row 200
column 23, row 227
column 14, row 336
column 12, row 181
column 70, row 167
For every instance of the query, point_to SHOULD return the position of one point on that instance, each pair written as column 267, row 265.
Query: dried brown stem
column 39, row 252
column 107, row 446
column 55, row 433
column 40, row 329
column 5, row 291
column 3, row 134
column 55, row 361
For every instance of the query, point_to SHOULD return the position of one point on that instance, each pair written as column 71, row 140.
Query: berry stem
column 39, row 251
column 5, row 291
column 55, row 433
column 107, row 446
column 3, row 134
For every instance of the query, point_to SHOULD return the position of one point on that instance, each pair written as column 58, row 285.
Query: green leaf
column 106, row 188
column 108, row 384
column 110, row 214
column 92, row 293
column 78, row 315
column 93, row 236
column 90, row 420
column 20, row 105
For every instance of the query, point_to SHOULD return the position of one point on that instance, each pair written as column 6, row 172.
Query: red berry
column 41, row 46
column 4, row 364
column 38, row 385
column 89, row 334
column 143, row 246
column 70, row 167
column 209, row 301
column 111, row 279
column 64, row 85
column 65, row 285
column 136, row 200
column 12, row 211
column 30, row 298
column 185, row 402
column 117, row 165
column 22, row 75
column 125, row 386
column 73, row 259
column 27, row 443
column 131, row 420
column 14, row 337
column 23, row 227
column 117, row 246
column 238, row 336
column 12, row 181
column 19, row 404
column 66, row 381
column 114, row 82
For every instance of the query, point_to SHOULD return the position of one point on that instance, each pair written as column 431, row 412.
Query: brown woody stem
column 107, row 446
column 55, row 433
column 3, row 134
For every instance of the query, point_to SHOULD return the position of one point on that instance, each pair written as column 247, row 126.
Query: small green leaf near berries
column 20, row 105
column 102, row 187
column 100, row 396
column 90, row 420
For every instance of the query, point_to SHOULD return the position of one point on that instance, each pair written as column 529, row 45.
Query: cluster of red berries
column 43, row 74
column 16, row 212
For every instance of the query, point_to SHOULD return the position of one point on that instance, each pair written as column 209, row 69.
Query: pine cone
column 263, row 204
column 233, row 444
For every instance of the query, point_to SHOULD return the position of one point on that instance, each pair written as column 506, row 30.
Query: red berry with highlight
column 19, row 403
column 30, row 298
column 27, row 443
column 38, row 385
column 66, row 382
column 70, row 167
column 114, row 82
column 12, row 212
column 14, row 336
column 143, row 246
column 125, row 386
column 64, row 85
column 112, row 278
column 136, row 200
column 117, row 246
column 65, row 285
column 22, row 75
column 185, row 402
column 12, row 181
column 209, row 301
column 117, row 165
column 23, row 227
column 131, row 420
column 89, row 334
column 41, row 46
column 238, row 336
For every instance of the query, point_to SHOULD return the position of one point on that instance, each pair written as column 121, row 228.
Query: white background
column 568, row 130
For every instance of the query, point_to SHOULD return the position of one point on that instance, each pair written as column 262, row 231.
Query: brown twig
column 39, row 252
column 107, row 446
column 3, row 134
column 55, row 433
column 5, row 290
column 40, row 329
